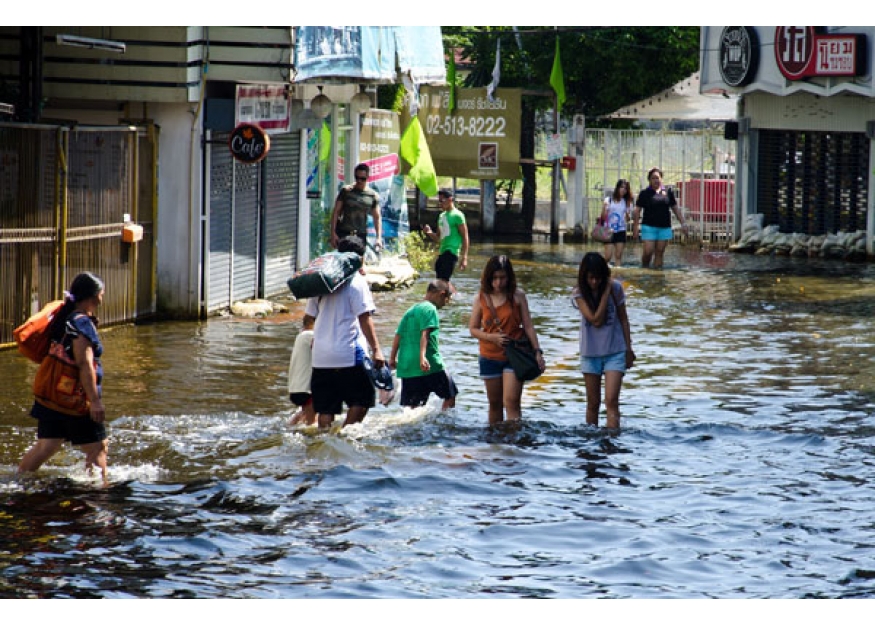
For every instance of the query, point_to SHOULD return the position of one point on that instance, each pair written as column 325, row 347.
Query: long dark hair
column 498, row 263
column 84, row 286
column 623, row 183
column 593, row 264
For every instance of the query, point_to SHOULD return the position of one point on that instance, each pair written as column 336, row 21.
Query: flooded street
column 743, row 469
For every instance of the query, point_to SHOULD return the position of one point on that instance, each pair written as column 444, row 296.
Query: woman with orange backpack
column 67, row 393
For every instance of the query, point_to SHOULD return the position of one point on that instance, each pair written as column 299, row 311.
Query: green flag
column 451, row 81
column 324, row 142
column 414, row 150
column 557, row 81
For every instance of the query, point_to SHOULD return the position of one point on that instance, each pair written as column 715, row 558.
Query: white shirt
column 337, row 330
column 301, row 363
column 617, row 213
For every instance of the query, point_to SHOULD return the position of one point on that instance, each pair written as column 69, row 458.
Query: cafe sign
column 249, row 143
column 801, row 52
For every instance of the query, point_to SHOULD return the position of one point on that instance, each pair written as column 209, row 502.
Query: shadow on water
column 741, row 469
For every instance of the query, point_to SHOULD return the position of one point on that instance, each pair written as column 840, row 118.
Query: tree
column 605, row 67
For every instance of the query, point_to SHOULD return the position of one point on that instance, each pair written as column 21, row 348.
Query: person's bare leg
column 593, row 397
column 355, row 414
column 96, row 455
column 42, row 450
column 613, row 383
column 494, row 395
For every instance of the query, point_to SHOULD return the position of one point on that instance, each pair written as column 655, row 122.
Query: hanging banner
column 480, row 139
column 265, row 105
column 376, row 53
column 378, row 149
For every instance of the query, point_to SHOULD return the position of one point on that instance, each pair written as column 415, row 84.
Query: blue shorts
column 652, row 233
column 490, row 369
column 599, row 364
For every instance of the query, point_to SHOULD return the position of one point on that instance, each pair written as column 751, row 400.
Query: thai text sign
column 265, row 105
column 479, row 139
column 801, row 52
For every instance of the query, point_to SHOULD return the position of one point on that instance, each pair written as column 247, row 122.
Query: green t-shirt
column 448, row 224
column 419, row 317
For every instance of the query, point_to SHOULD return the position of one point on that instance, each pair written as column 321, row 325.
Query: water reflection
column 741, row 469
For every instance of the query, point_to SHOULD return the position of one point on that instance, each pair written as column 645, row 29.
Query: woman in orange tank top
column 511, row 320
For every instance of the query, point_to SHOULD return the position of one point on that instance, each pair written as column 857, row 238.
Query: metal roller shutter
column 281, row 212
column 813, row 182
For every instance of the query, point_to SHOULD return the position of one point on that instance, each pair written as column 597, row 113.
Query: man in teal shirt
column 453, row 234
column 415, row 355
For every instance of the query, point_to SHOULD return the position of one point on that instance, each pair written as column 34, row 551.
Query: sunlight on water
column 741, row 470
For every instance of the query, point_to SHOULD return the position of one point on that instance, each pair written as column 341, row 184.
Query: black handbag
column 520, row 353
column 522, row 357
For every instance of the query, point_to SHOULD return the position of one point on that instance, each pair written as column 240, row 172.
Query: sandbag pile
column 392, row 272
column 764, row 241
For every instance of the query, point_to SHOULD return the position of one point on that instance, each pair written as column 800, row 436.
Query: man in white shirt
column 342, row 332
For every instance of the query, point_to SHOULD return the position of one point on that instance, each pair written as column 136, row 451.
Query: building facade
column 805, row 125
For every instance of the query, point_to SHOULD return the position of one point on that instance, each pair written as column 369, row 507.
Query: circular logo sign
column 794, row 47
column 249, row 143
column 739, row 55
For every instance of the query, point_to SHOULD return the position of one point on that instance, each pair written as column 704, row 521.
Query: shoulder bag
column 520, row 353
column 56, row 384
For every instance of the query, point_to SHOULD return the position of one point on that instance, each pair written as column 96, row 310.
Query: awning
column 682, row 102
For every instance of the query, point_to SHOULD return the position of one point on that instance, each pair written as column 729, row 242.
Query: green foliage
column 420, row 251
column 605, row 68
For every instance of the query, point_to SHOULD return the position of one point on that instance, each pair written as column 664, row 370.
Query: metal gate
column 65, row 194
column 813, row 182
column 253, row 219
column 698, row 165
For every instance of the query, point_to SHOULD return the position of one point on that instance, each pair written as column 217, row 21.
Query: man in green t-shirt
column 415, row 356
column 351, row 208
column 453, row 234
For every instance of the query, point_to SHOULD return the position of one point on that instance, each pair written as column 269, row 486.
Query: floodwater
column 743, row 468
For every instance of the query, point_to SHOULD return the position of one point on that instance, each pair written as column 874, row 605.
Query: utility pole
column 554, row 191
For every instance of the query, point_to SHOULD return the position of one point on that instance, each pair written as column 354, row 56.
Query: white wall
column 179, row 208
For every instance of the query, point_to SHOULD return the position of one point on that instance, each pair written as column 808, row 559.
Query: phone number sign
column 800, row 52
column 479, row 139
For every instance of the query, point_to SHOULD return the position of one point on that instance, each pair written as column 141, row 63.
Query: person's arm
column 604, row 216
column 623, row 316
column 423, row 345
column 335, row 215
column 475, row 329
column 595, row 317
column 393, row 357
column 463, row 230
column 378, row 225
column 370, row 332
column 529, row 327
column 83, row 353
column 636, row 216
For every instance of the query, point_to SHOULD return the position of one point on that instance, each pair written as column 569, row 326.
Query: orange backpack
column 33, row 336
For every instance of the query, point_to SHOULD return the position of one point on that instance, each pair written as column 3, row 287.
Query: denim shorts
column 599, row 364
column 490, row 369
column 652, row 233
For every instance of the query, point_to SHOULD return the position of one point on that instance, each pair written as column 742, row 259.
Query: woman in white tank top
column 616, row 212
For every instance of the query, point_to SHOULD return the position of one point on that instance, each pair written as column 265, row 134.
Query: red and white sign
column 264, row 105
column 383, row 167
column 800, row 52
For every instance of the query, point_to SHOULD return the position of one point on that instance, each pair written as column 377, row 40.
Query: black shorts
column 415, row 391
column 300, row 399
column 619, row 237
column 78, row 430
column 331, row 388
column 445, row 265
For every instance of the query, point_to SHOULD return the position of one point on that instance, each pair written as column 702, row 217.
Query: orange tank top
column 509, row 321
